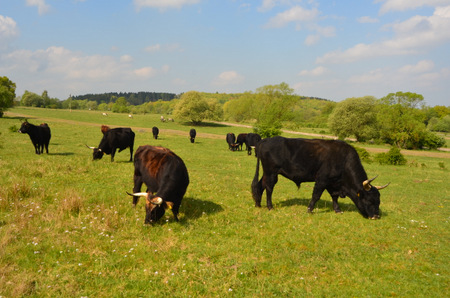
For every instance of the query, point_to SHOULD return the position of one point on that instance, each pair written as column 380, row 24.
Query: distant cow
column 163, row 119
column 39, row 135
column 113, row 139
column 130, row 116
column 170, row 120
column 155, row 132
column 104, row 114
column 192, row 134
column 333, row 166
column 231, row 141
column 166, row 178
column 251, row 141
column 240, row 140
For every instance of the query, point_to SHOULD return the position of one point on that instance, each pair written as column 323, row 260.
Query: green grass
column 67, row 226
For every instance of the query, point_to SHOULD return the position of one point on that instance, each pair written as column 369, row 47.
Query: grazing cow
column 104, row 114
column 155, row 132
column 240, row 140
column 165, row 174
column 231, row 141
column 251, row 141
column 163, row 119
column 333, row 166
column 39, row 135
column 192, row 134
column 130, row 116
column 170, row 120
column 114, row 138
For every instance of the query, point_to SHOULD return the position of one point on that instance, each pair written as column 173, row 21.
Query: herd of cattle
column 333, row 165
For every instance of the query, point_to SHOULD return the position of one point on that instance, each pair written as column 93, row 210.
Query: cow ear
column 169, row 205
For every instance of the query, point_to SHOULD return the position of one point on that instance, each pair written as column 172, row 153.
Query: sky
column 332, row 49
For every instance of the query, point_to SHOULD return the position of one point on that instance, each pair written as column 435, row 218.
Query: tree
column 406, row 99
column 120, row 105
column 355, row 117
column 275, row 103
column 31, row 99
column 7, row 94
column 195, row 108
column 403, row 125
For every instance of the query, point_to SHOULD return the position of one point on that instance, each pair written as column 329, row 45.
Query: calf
column 241, row 139
column 192, row 134
column 231, row 141
column 166, row 177
column 39, row 135
column 251, row 141
column 155, row 132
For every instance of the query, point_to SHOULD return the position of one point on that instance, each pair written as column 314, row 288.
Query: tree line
column 401, row 119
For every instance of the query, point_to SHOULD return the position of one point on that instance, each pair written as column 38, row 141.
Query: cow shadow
column 321, row 205
column 196, row 208
column 62, row 154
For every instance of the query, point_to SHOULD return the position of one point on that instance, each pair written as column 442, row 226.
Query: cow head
column 155, row 207
column 97, row 152
column 24, row 127
column 369, row 199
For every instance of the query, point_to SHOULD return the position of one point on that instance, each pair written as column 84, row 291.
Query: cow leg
column 113, row 152
column 336, row 207
column 175, row 212
column 269, row 184
column 36, row 148
column 131, row 153
column 317, row 193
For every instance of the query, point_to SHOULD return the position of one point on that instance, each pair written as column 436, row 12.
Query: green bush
column 392, row 157
column 364, row 155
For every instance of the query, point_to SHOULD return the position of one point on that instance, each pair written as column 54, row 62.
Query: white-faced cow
column 39, row 135
column 155, row 132
column 113, row 139
column 333, row 166
column 251, row 141
column 166, row 177
column 192, row 135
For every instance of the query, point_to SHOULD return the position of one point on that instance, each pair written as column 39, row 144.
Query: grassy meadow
column 67, row 227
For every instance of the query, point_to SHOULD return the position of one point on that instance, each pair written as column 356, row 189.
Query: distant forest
column 134, row 98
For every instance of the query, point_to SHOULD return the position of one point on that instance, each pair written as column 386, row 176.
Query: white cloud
column 153, row 48
column 145, row 72
column 41, row 5
column 420, row 67
column 318, row 71
column 367, row 20
column 8, row 31
column 126, row 59
column 163, row 4
column 296, row 14
column 402, row 5
column 410, row 37
column 228, row 77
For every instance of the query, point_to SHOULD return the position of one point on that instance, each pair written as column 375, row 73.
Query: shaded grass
column 68, row 228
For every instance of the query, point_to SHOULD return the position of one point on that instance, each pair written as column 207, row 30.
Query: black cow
column 192, row 135
column 240, row 140
column 155, row 132
column 231, row 141
column 333, row 166
column 251, row 141
column 113, row 139
column 39, row 135
column 165, row 174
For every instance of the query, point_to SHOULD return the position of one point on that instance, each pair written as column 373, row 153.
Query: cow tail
column 256, row 191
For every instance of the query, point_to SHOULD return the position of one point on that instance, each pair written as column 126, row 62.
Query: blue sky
column 329, row 49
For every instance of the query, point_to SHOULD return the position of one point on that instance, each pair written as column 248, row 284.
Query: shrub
column 392, row 157
column 364, row 155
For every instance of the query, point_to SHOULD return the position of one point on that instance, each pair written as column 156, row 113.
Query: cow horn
column 381, row 187
column 157, row 201
column 366, row 185
column 138, row 194
column 90, row 147
column 373, row 178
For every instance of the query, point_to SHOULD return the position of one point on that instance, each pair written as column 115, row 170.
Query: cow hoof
column 310, row 211
column 339, row 212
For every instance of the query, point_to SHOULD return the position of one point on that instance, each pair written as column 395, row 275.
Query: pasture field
column 68, row 228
